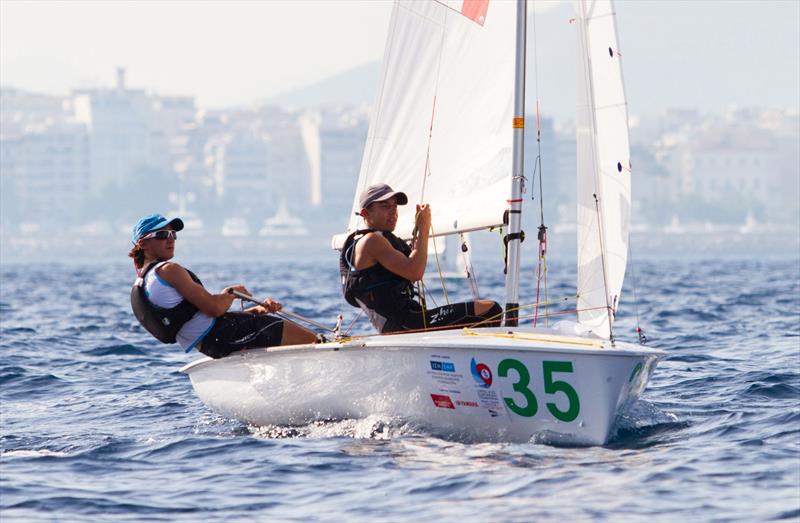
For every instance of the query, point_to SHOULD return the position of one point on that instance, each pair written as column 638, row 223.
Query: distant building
column 126, row 131
column 45, row 175
column 342, row 135
column 240, row 162
column 722, row 173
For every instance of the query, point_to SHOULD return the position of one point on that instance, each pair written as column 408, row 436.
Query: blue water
column 97, row 424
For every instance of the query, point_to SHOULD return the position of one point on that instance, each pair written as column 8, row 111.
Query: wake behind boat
column 448, row 130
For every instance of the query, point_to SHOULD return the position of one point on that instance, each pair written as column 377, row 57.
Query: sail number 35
column 551, row 386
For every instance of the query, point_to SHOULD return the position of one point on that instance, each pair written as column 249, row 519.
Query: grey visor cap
column 380, row 192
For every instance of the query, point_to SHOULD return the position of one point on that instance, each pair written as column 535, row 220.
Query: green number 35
column 551, row 386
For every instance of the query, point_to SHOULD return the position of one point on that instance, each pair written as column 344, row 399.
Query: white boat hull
column 452, row 383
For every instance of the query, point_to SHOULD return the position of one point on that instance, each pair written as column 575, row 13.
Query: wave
column 42, row 453
column 115, row 350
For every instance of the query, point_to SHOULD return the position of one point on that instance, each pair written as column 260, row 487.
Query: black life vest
column 376, row 287
column 162, row 323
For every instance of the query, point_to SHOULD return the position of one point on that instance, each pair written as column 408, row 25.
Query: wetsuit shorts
column 456, row 315
column 241, row 330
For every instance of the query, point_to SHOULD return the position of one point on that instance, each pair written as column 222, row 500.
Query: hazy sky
column 677, row 53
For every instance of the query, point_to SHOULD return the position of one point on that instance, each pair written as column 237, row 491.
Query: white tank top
column 162, row 294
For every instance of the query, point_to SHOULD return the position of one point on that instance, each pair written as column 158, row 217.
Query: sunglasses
column 161, row 235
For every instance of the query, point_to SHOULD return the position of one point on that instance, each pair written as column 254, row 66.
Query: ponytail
column 137, row 253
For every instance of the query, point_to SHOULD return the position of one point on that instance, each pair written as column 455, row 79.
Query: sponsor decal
column 480, row 373
column 442, row 401
column 443, row 366
column 462, row 403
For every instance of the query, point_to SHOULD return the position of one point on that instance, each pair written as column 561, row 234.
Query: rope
column 350, row 327
column 535, row 337
column 639, row 333
column 438, row 266
column 474, row 324
column 421, row 294
column 429, row 295
column 525, row 306
column 433, row 114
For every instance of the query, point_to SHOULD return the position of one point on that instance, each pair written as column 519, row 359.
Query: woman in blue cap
column 171, row 303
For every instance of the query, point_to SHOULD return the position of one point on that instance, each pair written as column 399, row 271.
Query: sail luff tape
column 519, row 123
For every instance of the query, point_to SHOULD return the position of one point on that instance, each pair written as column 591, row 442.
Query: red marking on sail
column 475, row 10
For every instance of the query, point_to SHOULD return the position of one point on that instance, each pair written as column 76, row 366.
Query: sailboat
column 283, row 224
column 448, row 130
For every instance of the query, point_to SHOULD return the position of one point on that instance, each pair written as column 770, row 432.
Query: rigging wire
column 609, row 311
column 468, row 325
column 639, row 332
column 541, row 265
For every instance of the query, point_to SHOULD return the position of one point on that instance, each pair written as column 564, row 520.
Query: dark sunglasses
column 161, row 235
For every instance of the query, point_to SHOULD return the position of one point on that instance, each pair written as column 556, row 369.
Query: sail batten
column 441, row 127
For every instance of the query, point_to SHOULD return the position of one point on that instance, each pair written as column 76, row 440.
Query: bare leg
column 294, row 334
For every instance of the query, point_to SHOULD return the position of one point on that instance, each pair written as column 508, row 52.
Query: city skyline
column 708, row 55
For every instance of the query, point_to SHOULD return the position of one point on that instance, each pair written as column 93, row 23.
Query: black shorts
column 241, row 330
column 457, row 315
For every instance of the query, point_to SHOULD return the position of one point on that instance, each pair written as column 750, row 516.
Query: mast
column 514, row 237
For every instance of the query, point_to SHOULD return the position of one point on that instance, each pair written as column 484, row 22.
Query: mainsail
column 441, row 127
column 604, row 183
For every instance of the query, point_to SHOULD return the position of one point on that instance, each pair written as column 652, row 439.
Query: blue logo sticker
column 444, row 366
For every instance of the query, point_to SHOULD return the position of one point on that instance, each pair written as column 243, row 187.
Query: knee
column 487, row 307
column 492, row 312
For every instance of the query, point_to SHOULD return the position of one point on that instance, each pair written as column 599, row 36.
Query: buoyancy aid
column 162, row 323
column 376, row 287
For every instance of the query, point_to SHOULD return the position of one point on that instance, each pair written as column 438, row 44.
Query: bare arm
column 212, row 304
column 374, row 248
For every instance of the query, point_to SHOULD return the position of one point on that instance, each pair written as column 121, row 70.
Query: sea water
column 98, row 425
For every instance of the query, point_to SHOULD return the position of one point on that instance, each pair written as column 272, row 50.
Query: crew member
column 378, row 269
column 171, row 303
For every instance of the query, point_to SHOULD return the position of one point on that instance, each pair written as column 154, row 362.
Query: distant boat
column 565, row 223
column 283, row 224
column 192, row 223
column 235, row 227
column 674, row 226
column 30, row 228
column 749, row 225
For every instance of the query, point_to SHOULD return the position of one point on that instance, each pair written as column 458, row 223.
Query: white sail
column 441, row 129
column 604, row 186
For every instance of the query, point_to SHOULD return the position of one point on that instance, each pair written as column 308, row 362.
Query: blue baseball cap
column 153, row 222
